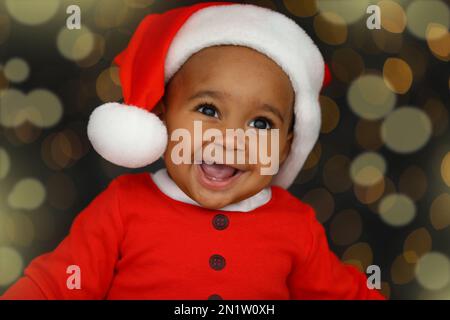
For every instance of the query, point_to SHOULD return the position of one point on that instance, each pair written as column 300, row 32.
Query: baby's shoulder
column 292, row 206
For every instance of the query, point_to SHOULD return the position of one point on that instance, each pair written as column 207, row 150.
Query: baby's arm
column 93, row 245
column 322, row 276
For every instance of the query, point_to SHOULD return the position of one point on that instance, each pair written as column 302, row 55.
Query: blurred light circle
column 107, row 88
column 336, row 174
column 75, row 44
column 61, row 150
column 6, row 225
column 305, row 8
column 61, row 191
column 438, row 115
column 387, row 41
column 48, row 107
column 406, row 130
column 96, row 54
column 27, row 132
column 322, row 201
column 330, row 114
column 368, row 134
column 5, row 28
column 360, row 252
column 5, row 163
column 350, row 10
column 445, row 169
column 440, row 211
column 433, row 271
column 416, row 245
column 370, row 98
column 13, row 107
column 421, row 13
column 346, row 227
column 368, row 168
column 438, row 40
column 21, row 232
column 397, row 210
column 347, row 64
column 369, row 194
column 413, row 182
column 11, row 265
column 306, row 175
column 16, row 70
column 393, row 17
column 139, row 4
column 28, row 193
column 29, row 13
column 110, row 13
column 402, row 271
column 330, row 28
column 389, row 188
column 313, row 157
column 397, row 75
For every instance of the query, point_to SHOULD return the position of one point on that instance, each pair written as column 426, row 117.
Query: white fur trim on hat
column 279, row 38
column 127, row 135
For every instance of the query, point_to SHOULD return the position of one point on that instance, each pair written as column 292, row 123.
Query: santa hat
column 132, row 136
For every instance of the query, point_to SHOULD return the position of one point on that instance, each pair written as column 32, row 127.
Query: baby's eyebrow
column 208, row 93
column 272, row 109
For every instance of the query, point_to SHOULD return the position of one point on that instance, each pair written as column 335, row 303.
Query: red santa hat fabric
column 130, row 135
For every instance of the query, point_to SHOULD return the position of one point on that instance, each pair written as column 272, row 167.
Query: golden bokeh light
column 393, row 17
column 438, row 40
column 305, row 8
column 347, row 64
column 25, row 133
column 397, row 210
column 370, row 98
column 336, row 175
column 139, row 4
column 389, row 188
column 402, row 271
column 360, row 252
column 417, row 244
column 16, row 70
column 367, row 169
column 322, row 201
column 5, row 163
column 76, row 44
column 111, row 13
column 21, row 230
column 47, row 106
column 369, row 194
column 445, row 169
column 14, row 104
column 433, row 271
column 346, row 227
column 107, row 87
column 96, row 53
column 387, row 41
column 330, row 114
column 397, row 75
column 421, row 13
column 11, row 264
column 28, row 13
column 5, row 28
column 438, row 115
column 313, row 157
column 440, row 211
column 350, row 10
column 330, row 28
column 368, row 134
column 406, row 130
column 413, row 182
column 27, row 193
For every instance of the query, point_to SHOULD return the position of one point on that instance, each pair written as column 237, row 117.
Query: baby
column 207, row 226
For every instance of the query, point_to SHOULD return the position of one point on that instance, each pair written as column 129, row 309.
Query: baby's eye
column 261, row 123
column 208, row 110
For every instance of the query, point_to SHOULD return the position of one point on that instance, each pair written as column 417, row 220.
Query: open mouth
column 217, row 176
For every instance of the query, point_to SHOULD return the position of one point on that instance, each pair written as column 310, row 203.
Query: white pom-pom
column 126, row 135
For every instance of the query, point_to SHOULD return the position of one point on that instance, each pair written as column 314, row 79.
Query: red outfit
column 134, row 242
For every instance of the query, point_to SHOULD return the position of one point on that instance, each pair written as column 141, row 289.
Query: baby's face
column 226, row 87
